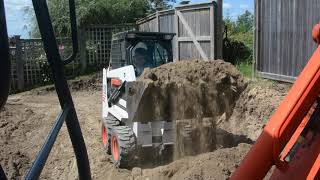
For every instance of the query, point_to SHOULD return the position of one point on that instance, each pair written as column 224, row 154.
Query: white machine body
column 153, row 133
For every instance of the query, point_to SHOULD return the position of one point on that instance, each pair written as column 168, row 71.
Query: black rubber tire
column 126, row 146
column 108, row 123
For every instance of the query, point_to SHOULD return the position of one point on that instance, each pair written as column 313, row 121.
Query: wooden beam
column 219, row 28
column 176, row 50
column 198, row 38
column 158, row 24
column 19, row 64
column 191, row 34
column 277, row 77
column 212, row 33
column 256, row 37
column 194, row 6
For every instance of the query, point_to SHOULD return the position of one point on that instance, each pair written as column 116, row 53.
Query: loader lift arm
column 68, row 113
column 286, row 128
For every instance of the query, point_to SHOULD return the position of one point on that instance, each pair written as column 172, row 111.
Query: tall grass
column 245, row 67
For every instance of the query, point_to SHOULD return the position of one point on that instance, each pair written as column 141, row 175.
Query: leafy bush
column 98, row 12
column 238, row 40
column 46, row 74
column 235, row 51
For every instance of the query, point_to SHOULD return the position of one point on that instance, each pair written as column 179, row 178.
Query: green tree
column 99, row 12
column 244, row 22
column 160, row 4
column 238, row 45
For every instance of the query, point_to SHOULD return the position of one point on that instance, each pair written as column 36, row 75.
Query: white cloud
column 244, row 6
column 227, row 5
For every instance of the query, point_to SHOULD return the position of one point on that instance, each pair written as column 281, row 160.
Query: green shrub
column 235, row 51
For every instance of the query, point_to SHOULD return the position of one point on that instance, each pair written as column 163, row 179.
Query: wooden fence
column 28, row 56
column 283, row 41
column 198, row 29
column 28, row 60
column 97, row 39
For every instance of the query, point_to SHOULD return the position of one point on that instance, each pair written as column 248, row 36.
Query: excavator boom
column 290, row 141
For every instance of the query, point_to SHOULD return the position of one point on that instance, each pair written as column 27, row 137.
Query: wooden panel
column 202, row 25
column 98, row 40
column 192, row 35
column 199, row 22
column 283, row 42
column 199, row 38
column 149, row 26
column 166, row 23
column 188, row 51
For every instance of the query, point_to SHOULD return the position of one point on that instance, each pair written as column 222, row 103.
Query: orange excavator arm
column 290, row 140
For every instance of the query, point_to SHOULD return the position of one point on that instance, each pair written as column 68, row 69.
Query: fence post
column 83, row 54
column 213, row 29
column 219, row 29
column 19, row 63
column 176, row 48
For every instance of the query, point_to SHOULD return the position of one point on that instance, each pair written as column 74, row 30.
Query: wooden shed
column 198, row 29
column 283, row 41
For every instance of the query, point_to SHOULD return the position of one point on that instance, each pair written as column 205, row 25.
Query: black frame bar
column 42, row 157
column 68, row 113
column 74, row 35
column 5, row 68
column 60, row 82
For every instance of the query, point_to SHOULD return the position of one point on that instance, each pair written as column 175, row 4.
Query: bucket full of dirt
column 193, row 94
column 186, row 90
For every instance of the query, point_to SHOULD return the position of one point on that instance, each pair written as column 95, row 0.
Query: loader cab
column 141, row 49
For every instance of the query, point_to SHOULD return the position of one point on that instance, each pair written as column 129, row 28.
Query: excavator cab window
column 148, row 54
column 140, row 49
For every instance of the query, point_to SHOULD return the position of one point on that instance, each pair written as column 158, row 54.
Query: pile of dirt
column 188, row 90
column 234, row 135
column 254, row 108
column 28, row 117
column 90, row 82
column 192, row 94
column 219, row 164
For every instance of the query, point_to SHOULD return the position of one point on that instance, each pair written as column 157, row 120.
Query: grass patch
column 245, row 68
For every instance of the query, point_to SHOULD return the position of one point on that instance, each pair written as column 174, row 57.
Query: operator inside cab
column 141, row 60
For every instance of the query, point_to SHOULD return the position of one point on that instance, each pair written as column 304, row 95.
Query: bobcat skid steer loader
column 129, row 134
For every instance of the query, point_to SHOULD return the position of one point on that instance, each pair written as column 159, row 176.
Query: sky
column 19, row 22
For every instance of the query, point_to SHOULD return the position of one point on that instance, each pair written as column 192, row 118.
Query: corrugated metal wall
column 283, row 36
column 200, row 38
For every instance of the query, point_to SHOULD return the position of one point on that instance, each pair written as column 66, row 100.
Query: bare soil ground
column 27, row 118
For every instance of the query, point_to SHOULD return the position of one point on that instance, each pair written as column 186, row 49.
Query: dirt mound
column 215, row 165
column 28, row 117
column 91, row 82
column 254, row 108
column 189, row 89
column 25, row 122
column 193, row 94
